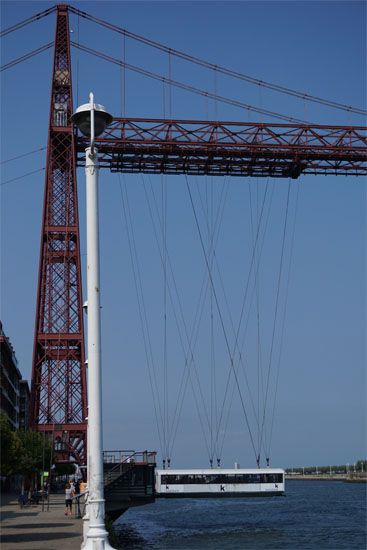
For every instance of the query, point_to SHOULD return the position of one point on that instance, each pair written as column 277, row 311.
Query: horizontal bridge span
column 156, row 146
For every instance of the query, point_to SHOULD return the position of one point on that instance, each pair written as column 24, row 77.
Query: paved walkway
column 30, row 528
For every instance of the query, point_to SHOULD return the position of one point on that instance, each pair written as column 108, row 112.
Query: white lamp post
column 91, row 120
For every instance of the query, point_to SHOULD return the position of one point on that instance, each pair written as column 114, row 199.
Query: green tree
column 23, row 452
column 10, row 447
column 35, row 452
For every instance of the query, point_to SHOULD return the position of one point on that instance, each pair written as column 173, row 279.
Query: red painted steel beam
column 230, row 148
column 77, row 428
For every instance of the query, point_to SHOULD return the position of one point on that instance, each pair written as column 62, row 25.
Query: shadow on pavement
column 30, row 537
column 9, row 514
column 37, row 525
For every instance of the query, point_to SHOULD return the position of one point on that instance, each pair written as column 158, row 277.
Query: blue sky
column 315, row 47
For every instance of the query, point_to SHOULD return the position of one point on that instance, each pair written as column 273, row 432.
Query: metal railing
column 128, row 456
column 79, row 510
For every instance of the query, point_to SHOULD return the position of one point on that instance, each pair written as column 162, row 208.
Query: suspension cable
column 187, row 354
column 213, row 236
column 164, row 266
column 31, row 19
column 240, row 349
column 253, row 292
column 183, row 86
column 26, row 56
column 23, row 176
column 276, row 310
column 218, row 68
column 190, row 353
column 213, row 394
column 284, row 319
column 227, row 420
column 142, row 310
column 257, row 261
column 221, row 317
column 23, row 155
column 234, row 333
column 200, row 306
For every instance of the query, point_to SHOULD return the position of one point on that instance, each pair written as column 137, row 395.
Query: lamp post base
column 85, row 528
column 95, row 536
column 95, row 542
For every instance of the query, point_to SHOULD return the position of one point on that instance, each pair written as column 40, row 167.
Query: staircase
column 128, row 480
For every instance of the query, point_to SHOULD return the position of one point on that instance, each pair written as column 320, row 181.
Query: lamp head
column 81, row 118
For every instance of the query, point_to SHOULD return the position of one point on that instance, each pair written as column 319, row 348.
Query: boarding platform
column 128, row 480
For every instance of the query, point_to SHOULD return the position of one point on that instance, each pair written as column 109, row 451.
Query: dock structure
column 129, row 480
column 34, row 528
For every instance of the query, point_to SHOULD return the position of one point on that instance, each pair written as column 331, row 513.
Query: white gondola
column 219, row 483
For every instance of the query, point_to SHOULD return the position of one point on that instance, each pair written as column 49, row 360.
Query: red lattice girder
column 197, row 147
column 59, row 393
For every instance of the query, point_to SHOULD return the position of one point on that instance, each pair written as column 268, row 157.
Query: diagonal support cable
column 220, row 69
column 182, row 85
column 26, row 56
column 221, row 318
column 27, row 21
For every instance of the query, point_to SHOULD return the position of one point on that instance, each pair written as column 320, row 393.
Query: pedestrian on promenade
column 45, row 490
column 83, row 490
column 69, row 493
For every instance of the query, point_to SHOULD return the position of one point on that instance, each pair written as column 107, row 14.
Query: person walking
column 69, row 493
column 77, row 498
column 77, row 487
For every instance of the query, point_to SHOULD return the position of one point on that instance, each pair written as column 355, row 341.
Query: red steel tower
column 59, row 394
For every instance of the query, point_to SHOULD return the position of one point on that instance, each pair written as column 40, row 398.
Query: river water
column 313, row 515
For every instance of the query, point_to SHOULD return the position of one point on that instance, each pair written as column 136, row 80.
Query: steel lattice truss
column 230, row 148
column 58, row 394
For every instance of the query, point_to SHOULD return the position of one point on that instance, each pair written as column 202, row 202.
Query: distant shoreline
column 327, row 477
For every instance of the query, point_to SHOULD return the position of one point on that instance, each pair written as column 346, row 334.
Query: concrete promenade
column 29, row 528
